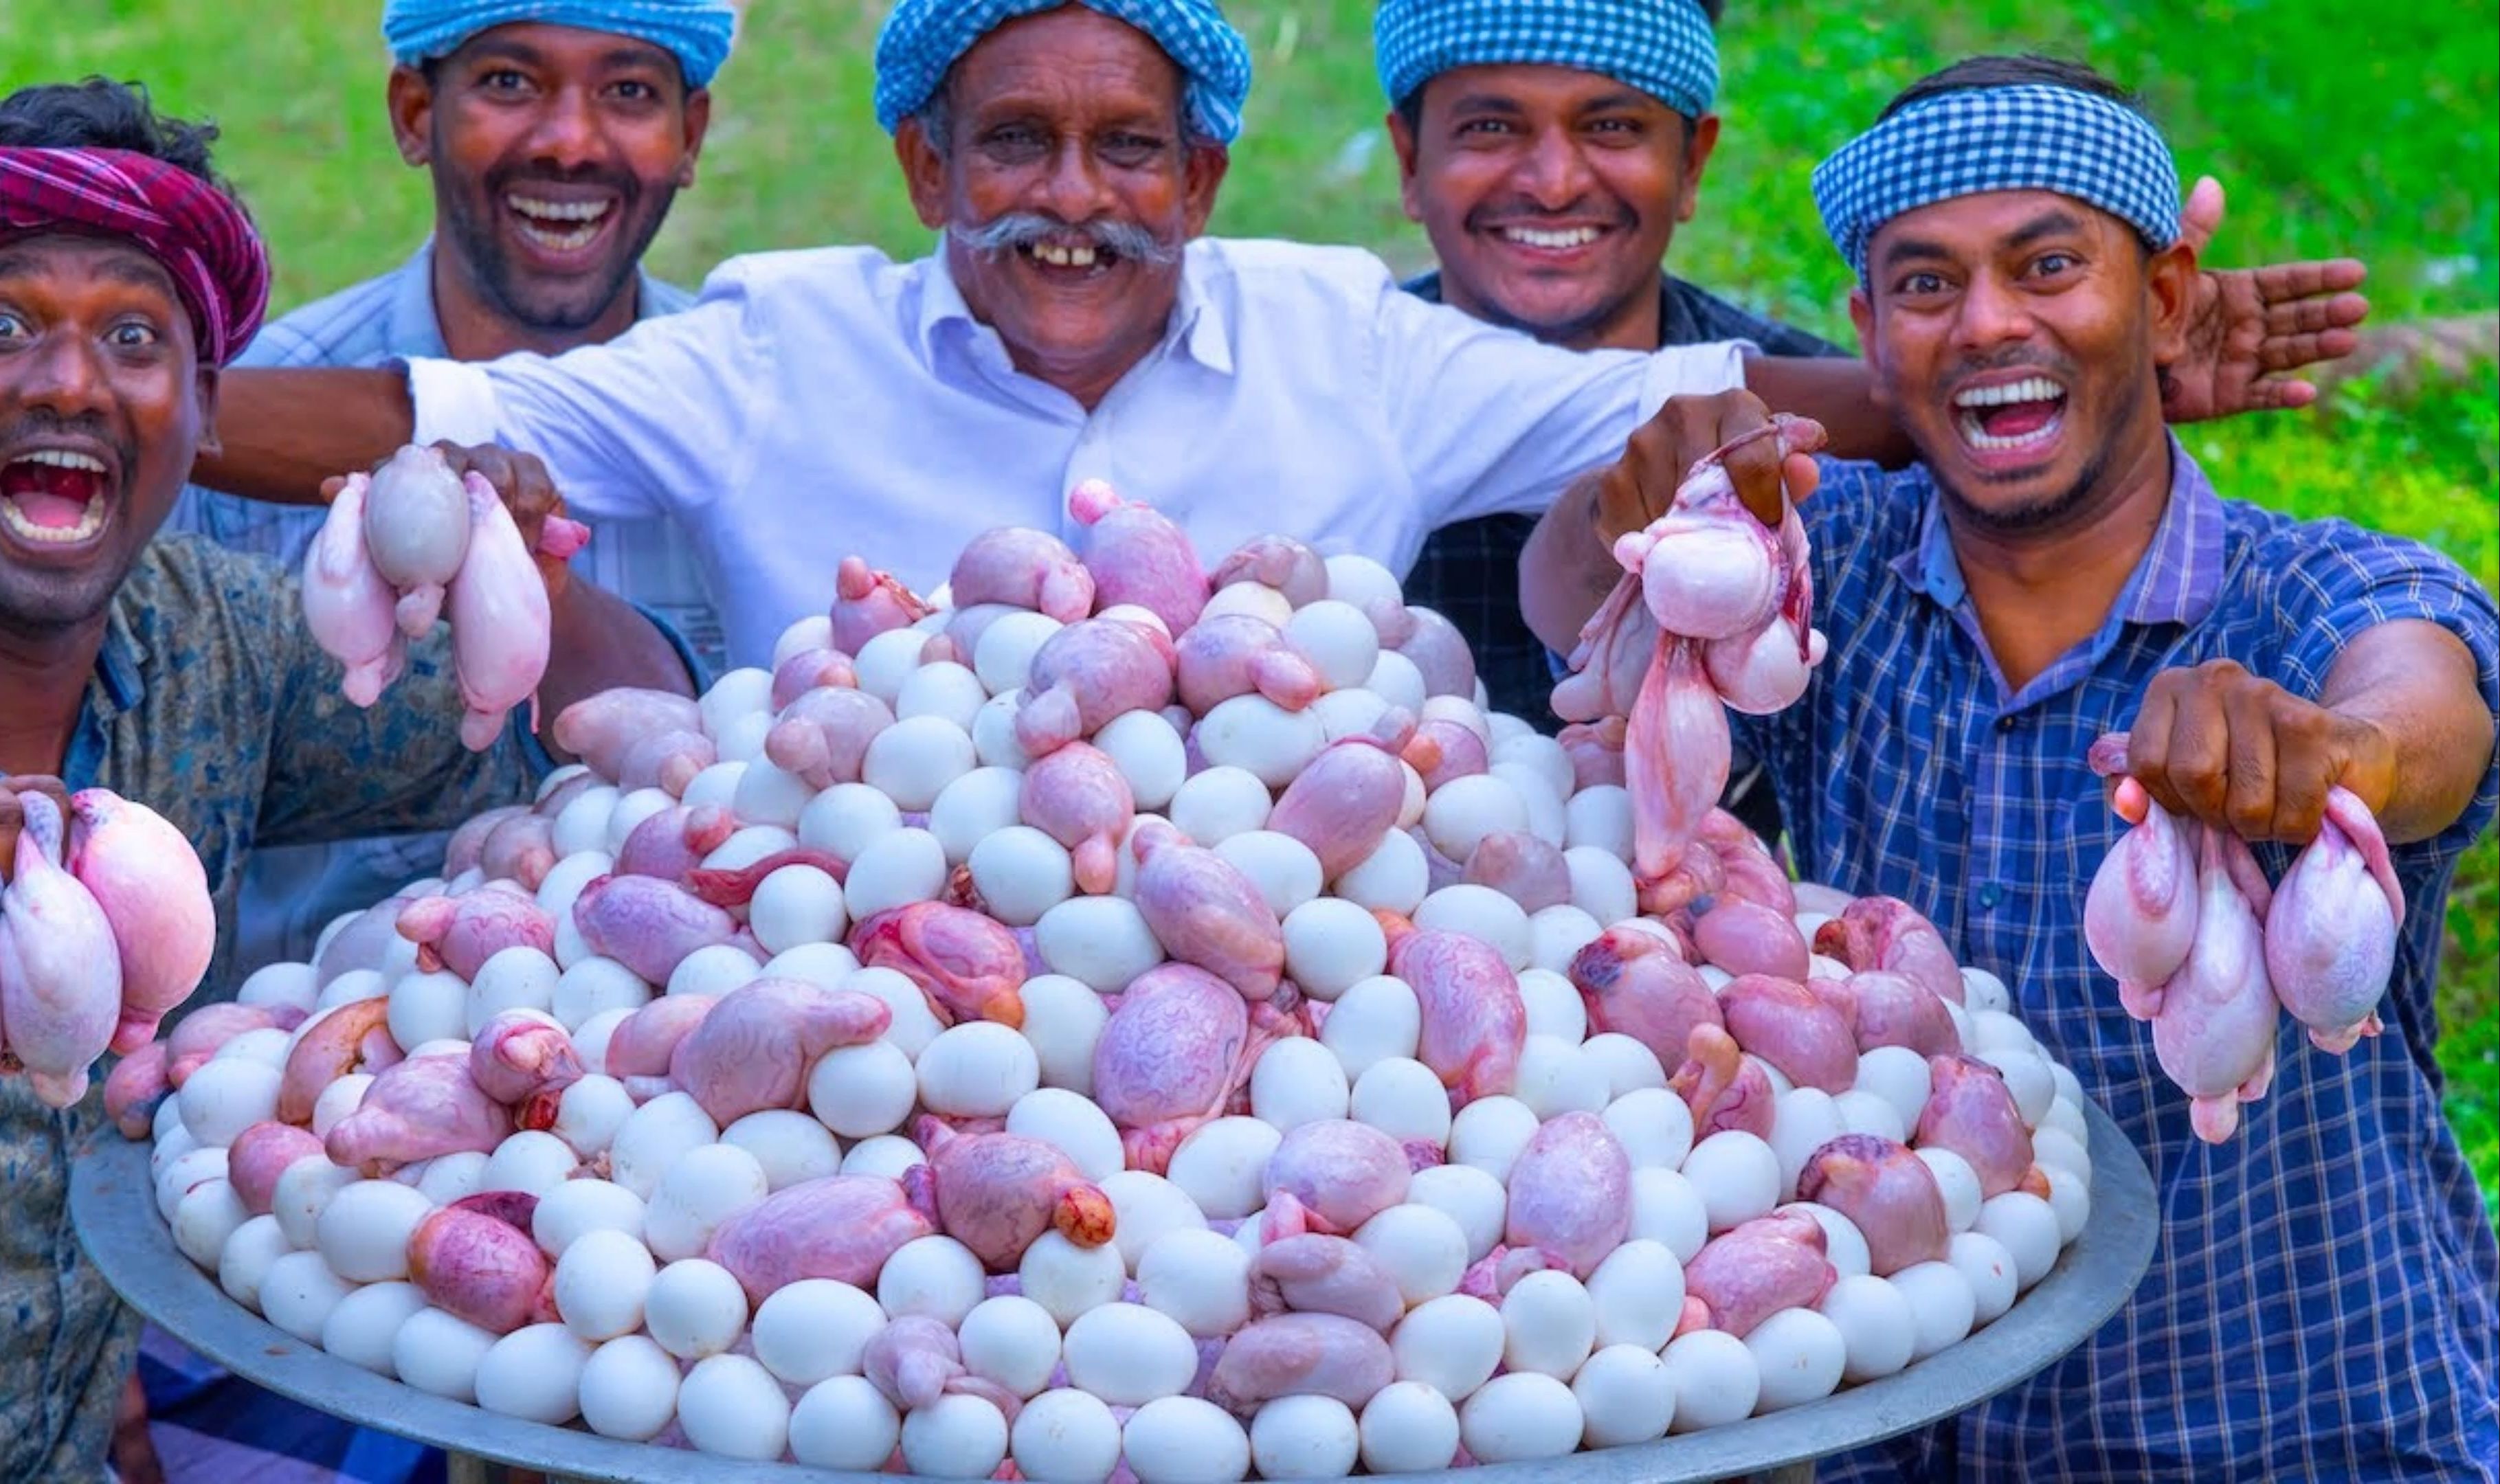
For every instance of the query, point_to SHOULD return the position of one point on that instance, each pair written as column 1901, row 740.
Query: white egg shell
column 814, row 1329
column 1989, row 1268
column 973, row 806
column 1556, row 934
column 1003, row 656
column 363, row 1231
column 1219, row 1166
column 1359, row 581
column 267, row 1044
column 1258, row 737
column 533, row 1162
column 1063, row 1019
column 189, row 1170
column 1298, row 1081
column 1549, row 1324
column 977, row 1069
column 560, row 888
column 1637, row 1293
column 795, row 906
column 1488, row 1133
column 1304, row 1438
column 1409, row 1428
column 1350, row 712
column 1982, row 990
column 2054, row 1148
column 630, row 810
column 357, row 984
column 695, row 1308
column 1393, row 878
column 844, row 1422
column 1997, row 1031
column 941, row 689
column 534, row 1372
column 629, row 1389
column 916, row 758
column 227, row 1095
column 717, row 783
column 1183, row 1439
column 1071, row 1125
column 1943, row 1302
column 823, row 965
column 1100, row 941
column 1958, row 1183
column 1257, row 600
column 1010, row 1340
column 732, row 1408
column 590, row 1040
column 1802, row 1121
column 1601, row 884
column 1716, row 1379
column 1738, row 1174
column 713, row 971
column 1143, row 1207
column 2027, row 1227
column 1065, row 1436
column 438, row 1354
column 1129, row 1355
column 601, row 1284
column 1338, row 638
column 1866, row 1112
column 275, row 984
column 1668, row 1208
column 735, row 694
column 846, row 818
column 937, row 1277
column 789, row 1146
column 955, row 1437
column 861, row 1091
column 888, row 659
column 206, row 1218
column 1798, row 1355
column 896, row 869
column 1898, row 1075
column 1844, row 1246
column 1555, row 1077
column 887, row 1154
column 1553, row 1003
column 298, row 1292
column 1464, row 810
column 1149, row 755
column 1627, row 1395
column 912, row 1025
column 1395, row 679
column 577, row 1208
column 1021, row 874
column 1404, row 1099
column 1201, row 1279
column 2070, row 1197
column 244, row 1260
column 1285, row 871
column 1482, row 912
column 1452, row 1344
column 362, row 1328
column 1467, row 1196
column 1546, row 818
column 590, row 1115
column 1628, row 1066
column 1519, row 1416
column 1375, row 1019
column 1654, row 1125
column 1877, row 1325
column 1600, row 817
column 173, row 1141
column 2027, row 1076
column 1220, row 803
column 591, row 987
column 1069, row 1280
column 304, row 1190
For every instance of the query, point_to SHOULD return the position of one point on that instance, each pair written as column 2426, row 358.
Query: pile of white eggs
column 1103, row 1352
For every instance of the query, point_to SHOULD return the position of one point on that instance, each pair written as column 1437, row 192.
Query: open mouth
column 1549, row 239
column 2012, row 416
column 1057, row 259
column 54, row 497
column 559, row 226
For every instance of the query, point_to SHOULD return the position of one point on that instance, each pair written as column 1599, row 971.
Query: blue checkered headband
column 697, row 31
column 923, row 38
column 2030, row 137
column 1664, row 47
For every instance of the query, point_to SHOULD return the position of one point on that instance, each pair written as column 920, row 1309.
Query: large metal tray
column 112, row 1203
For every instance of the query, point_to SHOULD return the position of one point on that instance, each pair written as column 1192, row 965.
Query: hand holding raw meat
column 61, row 976
column 2330, row 935
column 144, row 875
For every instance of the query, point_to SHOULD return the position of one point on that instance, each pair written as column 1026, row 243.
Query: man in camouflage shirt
column 176, row 674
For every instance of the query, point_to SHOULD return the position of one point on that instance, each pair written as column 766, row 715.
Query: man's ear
column 1696, row 158
column 1861, row 315
column 1201, row 173
column 924, row 173
column 410, row 101
column 205, row 387
column 697, row 124
column 1403, row 140
column 2169, row 296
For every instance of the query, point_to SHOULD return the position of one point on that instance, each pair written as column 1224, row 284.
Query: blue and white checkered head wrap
column 1664, row 47
column 923, row 38
column 697, row 31
column 2027, row 136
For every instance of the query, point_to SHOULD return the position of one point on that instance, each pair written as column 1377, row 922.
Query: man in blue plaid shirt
column 2321, row 1306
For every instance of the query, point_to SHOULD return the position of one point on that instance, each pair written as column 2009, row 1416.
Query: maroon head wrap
column 197, row 231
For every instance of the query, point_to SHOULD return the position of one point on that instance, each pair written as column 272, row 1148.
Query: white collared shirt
column 818, row 404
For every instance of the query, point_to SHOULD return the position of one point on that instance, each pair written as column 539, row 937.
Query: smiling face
column 103, row 403
column 1067, row 189
column 2018, row 336
column 556, row 154
column 1549, row 195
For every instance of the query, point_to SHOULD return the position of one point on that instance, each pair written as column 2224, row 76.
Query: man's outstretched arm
column 286, row 432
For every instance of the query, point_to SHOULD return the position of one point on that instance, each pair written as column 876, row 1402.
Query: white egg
column 1351, row 713
column 1199, row 1278
column 194, row 1168
column 715, row 784
column 2027, row 1227
column 1021, row 874
column 438, row 1354
column 1304, row 1438
column 1868, row 1113
column 1549, row 1324
column 630, row 810
column 629, row 1389
column 896, row 869
column 2027, row 1078
column 591, row 987
column 823, row 965
column 1403, row 1099
column 1409, row 1428
column 1263, row 739
column 1637, row 1292
column 1997, row 1031
column 1553, row 1003
column 1219, row 803
column 533, row 1162
column 1298, row 1081
column 1010, row 1340
column 1626, row 1395
column 1183, row 1439
column 206, row 1217
column 173, row 1141
column 888, row 659
column 861, row 1091
column 276, row 984
column 1989, row 1270
column 1100, row 941
column 813, row 632
column 1877, row 1327
column 267, row 1044
column 1285, row 871
column 994, row 738
column 973, row 806
column 351, row 986
column 1331, row 943
column 887, row 1154
column 845, row 819
column 1469, row 1196
column 795, row 906
column 1958, row 1183
column 2054, row 1148
column 1802, row 1121
column 1781, row 1086
column 1219, row 1166
column 591, row 1038
column 579, row 1207
column 977, row 1069
column 1339, row 639
column 1601, row 884
column 1556, row 934
column 2070, row 1197
column 1547, row 819
column 732, row 1408
column 1065, row 1436
column 1410, row 803
column 1962, row 1028
column 1422, row 1248
column 363, row 1231
column 601, row 1284
column 695, row 1308
column 1070, row 1123
column 1069, row 1280
column 1984, row 991
column 713, row 970
column 1488, row 1133
column 1464, row 810
column 1629, row 1067
column 534, row 1373
column 304, row 1190
column 736, row 693
column 1256, row 600
column 937, row 1277
column 1395, row 679
column 1129, row 1355
column 1737, row 1175
column 225, row 1095
column 943, row 689
column 1668, row 1208
column 1555, row 1077
column 1654, row 1125
column 1452, row 1344
column 1003, row 656
column 844, row 1422
column 1519, row 1416
column 1844, row 1246
column 789, row 1146
column 1716, row 1379
column 1359, row 582
column 1149, row 755
column 1063, row 1019
column 1374, row 1019
column 1600, row 817
column 298, row 1292
column 1393, row 878
column 1942, row 1301
column 560, row 888
column 1798, row 1355
column 911, row 1025
column 815, row 1328
column 1482, row 912
column 1143, row 1207
column 1898, row 1075
column 703, row 1189
column 590, row 1115
column 244, row 1260
column 750, row 844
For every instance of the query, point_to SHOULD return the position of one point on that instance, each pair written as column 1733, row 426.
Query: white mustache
column 1017, row 230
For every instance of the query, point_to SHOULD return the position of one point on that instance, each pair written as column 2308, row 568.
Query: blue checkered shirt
column 289, row 894
column 2322, row 1304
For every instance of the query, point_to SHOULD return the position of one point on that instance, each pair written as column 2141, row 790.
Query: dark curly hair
column 1977, row 73
column 99, row 113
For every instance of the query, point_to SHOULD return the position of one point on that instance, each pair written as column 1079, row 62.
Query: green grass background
column 2337, row 131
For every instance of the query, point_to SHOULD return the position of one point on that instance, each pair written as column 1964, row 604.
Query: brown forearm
column 598, row 641
column 2415, row 681
column 1839, row 395
column 282, row 433
column 1564, row 571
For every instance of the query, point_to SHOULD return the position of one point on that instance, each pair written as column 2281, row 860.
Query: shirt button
column 1989, row 895
column 2007, row 723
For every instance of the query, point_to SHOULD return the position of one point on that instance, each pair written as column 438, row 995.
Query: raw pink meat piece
column 1634, row 983
column 1570, row 1193
column 2214, row 1022
column 841, row 1227
column 1237, row 655
column 2330, row 933
column 649, row 925
column 673, row 842
column 461, row 932
column 756, row 1047
column 481, row 1267
column 968, row 966
column 1177, row 1044
column 916, row 1360
column 348, row 606
column 356, row 1035
column 418, row 1109
column 1348, row 797
column 1280, row 562
column 263, row 1152
column 1891, row 1009
column 1139, row 556
column 1889, row 932
column 1079, row 797
column 1747, row 938
column 868, row 603
column 525, row 1064
column 1722, row 1087
column 1887, row 1192
column 1204, row 911
column 1087, row 673
column 209, row 1027
column 1443, row 751
column 1474, row 1022
column 1971, row 1111
column 1521, row 866
column 1314, row 1273
column 1596, row 750
column 997, row 1194
column 601, row 729
column 135, row 1089
column 1022, row 568
column 822, row 736
column 1791, row 1028
column 1291, row 1355
column 1743, row 1277
column 154, row 896
column 1341, row 1173
column 499, row 619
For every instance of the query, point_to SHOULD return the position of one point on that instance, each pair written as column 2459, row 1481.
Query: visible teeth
column 1988, row 443
column 2029, row 389
column 561, row 241
column 1531, row 237
column 558, row 210
column 89, row 521
column 62, row 458
column 1080, row 256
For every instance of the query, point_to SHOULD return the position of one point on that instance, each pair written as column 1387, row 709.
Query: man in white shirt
column 1072, row 324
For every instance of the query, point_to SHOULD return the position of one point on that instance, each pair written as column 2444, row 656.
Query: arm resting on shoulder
column 282, row 433
column 2413, row 684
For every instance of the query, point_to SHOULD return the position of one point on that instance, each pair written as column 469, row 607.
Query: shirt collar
column 2178, row 579
column 1197, row 325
